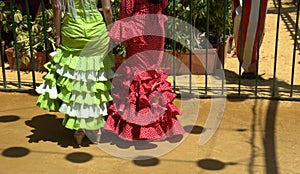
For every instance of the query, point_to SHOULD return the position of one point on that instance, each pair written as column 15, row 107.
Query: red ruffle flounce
column 143, row 109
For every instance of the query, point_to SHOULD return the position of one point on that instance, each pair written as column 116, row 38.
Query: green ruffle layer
column 83, row 63
column 88, row 124
column 45, row 102
column 71, row 90
column 89, row 93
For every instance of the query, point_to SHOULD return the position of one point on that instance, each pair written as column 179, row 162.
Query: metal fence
column 223, row 82
column 15, row 77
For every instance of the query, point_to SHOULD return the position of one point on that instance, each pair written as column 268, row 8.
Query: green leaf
column 25, row 60
column 18, row 17
column 2, row 4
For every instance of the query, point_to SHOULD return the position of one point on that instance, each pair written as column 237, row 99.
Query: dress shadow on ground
column 113, row 139
column 48, row 127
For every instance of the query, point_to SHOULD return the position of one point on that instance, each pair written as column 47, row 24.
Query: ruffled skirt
column 146, row 112
column 78, row 86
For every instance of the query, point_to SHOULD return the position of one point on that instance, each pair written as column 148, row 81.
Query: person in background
column 78, row 79
column 142, row 106
column 249, row 31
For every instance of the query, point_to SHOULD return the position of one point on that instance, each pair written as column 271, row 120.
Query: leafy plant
column 37, row 34
column 22, row 36
column 115, row 5
column 176, row 27
column 4, row 13
column 197, row 14
column 216, row 21
column 118, row 49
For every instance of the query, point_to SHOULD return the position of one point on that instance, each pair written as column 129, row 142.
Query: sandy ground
column 254, row 136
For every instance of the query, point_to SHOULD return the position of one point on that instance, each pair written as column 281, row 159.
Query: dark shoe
column 251, row 76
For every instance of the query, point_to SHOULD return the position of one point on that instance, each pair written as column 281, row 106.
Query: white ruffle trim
column 102, row 75
column 45, row 87
column 83, row 111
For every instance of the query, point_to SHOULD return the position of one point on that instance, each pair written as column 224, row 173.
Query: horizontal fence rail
column 210, row 26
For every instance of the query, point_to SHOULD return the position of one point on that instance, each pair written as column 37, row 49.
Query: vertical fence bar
column 2, row 60
column 258, row 44
column 241, row 28
column 207, row 40
column 224, row 41
column 276, row 48
column 173, row 50
column 45, row 28
column 191, row 43
column 15, row 41
column 30, row 43
column 294, row 51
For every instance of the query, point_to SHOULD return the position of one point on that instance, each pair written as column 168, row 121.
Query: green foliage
column 177, row 26
column 216, row 17
column 39, row 33
column 22, row 36
column 40, row 37
column 193, row 12
column 5, row 20
column 118, row 49
column 115, row 5
column 199, row 13
column 22, row 29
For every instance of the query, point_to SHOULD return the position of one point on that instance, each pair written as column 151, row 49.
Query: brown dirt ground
column 255, row 136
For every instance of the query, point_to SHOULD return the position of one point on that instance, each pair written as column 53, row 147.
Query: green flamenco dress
column 78, row 79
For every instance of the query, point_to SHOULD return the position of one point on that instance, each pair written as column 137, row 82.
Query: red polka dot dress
column 142, row 106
